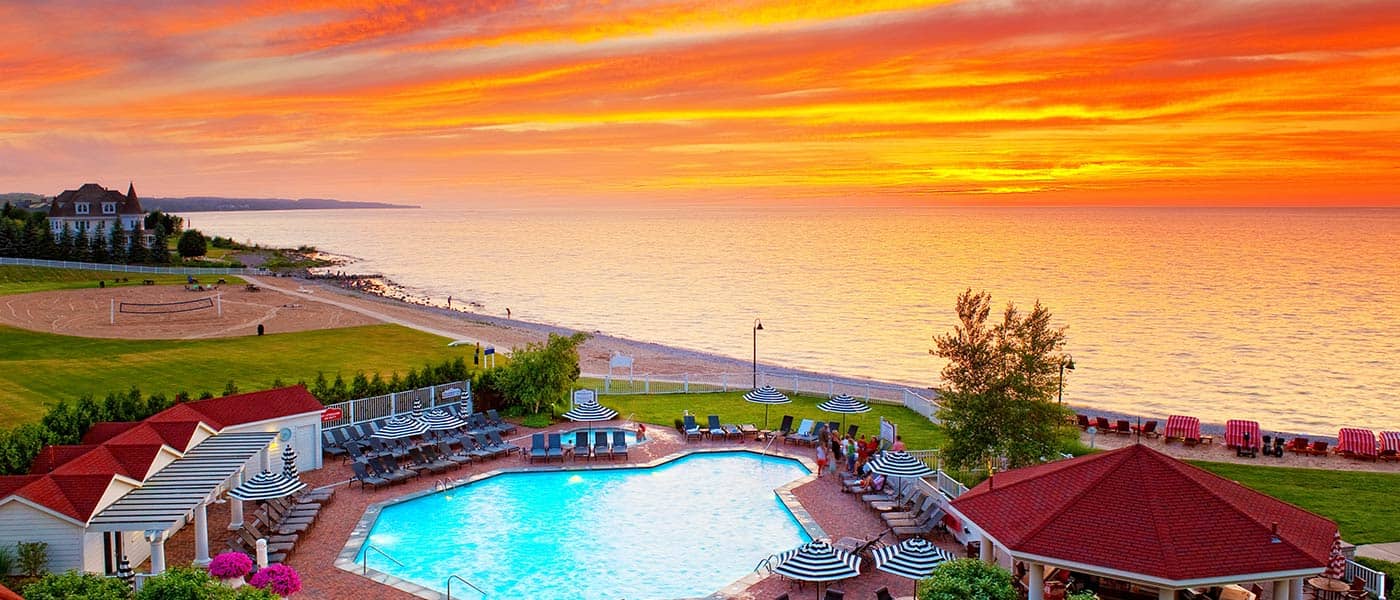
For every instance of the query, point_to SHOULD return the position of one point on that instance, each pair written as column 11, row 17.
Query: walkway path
column 1389, row 551
column 268, row 282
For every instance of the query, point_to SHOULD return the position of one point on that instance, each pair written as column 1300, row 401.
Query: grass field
column 1363, row 504
column 19, row 280
column 664, row 409
column 40, row 368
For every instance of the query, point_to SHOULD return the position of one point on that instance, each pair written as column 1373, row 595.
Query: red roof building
column 93, row 209
column 106, row 430
column 1138, row 515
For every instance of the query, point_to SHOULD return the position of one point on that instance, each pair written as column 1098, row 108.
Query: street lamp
column 1066, row 363
column 757, row 327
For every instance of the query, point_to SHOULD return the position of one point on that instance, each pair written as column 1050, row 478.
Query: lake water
column 1287, row 316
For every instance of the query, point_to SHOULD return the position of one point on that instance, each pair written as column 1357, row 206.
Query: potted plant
column 278, row 579
column 231, row 567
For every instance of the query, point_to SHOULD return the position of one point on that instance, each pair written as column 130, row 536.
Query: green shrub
column 187, row 583
column 77, row 586
column 537, row 421
column 967, row 579
column 1391, row 570
column 7, row 561
column 33, row 558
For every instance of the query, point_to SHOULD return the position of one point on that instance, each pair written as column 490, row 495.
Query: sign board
column 584, row 396
column 887, row 432
column 332, row 414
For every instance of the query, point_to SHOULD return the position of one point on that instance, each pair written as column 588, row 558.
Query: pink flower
column 278, row 579
column 230, row 565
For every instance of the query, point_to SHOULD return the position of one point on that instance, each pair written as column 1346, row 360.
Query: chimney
column 1274, row 538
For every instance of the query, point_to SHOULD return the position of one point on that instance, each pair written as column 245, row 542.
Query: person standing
column 898, row 444
column 821, row 459
column 852, row 453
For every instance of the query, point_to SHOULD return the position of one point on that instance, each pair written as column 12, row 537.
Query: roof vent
column 1274, row 538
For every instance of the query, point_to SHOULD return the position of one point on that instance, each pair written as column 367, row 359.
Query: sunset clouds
column 1230, row 103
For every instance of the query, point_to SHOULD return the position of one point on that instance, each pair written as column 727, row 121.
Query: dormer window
column 109, row 208
column 81, row 208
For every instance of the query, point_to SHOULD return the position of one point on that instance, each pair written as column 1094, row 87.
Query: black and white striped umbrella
column 400, row 426
column 914, row 558
column 899, row 464
column 289, row 462
column 590, row 411
column 766, row 395
column 845, row 405
column 417, row 409
column 438, row 419
column 125, row 573
column 818, row 561
column 266, row 486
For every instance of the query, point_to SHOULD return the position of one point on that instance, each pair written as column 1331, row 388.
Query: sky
column 1129, row 102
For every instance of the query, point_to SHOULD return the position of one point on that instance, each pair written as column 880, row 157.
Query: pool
column 683, row 529
column 631, row 436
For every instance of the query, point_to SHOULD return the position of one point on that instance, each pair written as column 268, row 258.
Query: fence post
column 830, row 387
column 795, row 387
column 352, row 411
column 432, row 395
column 646, row 383
column 724, row 381
column 607, row 384
column 867, row 392
column 686, row 385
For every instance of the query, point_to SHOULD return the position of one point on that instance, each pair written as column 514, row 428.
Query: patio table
column 1328, row 589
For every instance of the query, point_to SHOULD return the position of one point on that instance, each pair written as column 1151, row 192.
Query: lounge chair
column 439, row 458
column 920, row 527
column 445, row 451
column 601, row 447
column 1102, row 424
column 538, row 449
column 733, row 431
column 619, row 444
column 883, row 594
column 255, row 527
column 330, row 445
column 363, row 431
column 877, row 486
column 1148, row 429
column 1318, row 448
column 491, row 450
column 502, row 425
column 851, row 431
column 251, row 541
column 1083, row 421
column 715, row 428
column 419, row 462
column 237, row 544
column 581, row 445
column 556, row 448
column 692, row 431
column 803, row 434
column 1390, row 455
column 786, row 426
column 494, row 438
column 389, row 468
column 1123, row 427
column 267, row 524
column 363, row 476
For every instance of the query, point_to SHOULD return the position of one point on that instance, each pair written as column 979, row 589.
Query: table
column 1328, row 589
column 1235, row 592
column 749, row 430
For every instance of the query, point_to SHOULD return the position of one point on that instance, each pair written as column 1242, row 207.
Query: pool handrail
column 365, row 564
column 469, row 584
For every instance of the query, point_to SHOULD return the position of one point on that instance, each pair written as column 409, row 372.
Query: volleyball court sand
column 87, row 313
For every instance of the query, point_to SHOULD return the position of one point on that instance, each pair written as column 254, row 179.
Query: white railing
column 1375, row 580
column 68, row 264
column 378, row 407
column 693, row 383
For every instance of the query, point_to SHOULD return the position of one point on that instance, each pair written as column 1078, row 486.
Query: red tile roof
column 94, row 195
column 177, row 435
column 106, row 430
column 73, row 495
column 10, row 483
column 1139, row 511
column 239, row 409
column 52, row 457
column 8, row 594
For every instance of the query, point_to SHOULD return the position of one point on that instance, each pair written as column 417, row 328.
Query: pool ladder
column 468, row 584
column 766, row 563
column 365, row 565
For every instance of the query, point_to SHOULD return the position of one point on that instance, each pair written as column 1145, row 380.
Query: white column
column 201, row 535
column 261, row 553
column 157, row 539
column 264, row 460
column 1282, row 588
column 1166, row 594
column 1297, row 585
column 1036, row 585
column 985, row 554
column 235, row 506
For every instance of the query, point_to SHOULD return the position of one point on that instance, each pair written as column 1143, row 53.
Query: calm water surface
column 1285, row 316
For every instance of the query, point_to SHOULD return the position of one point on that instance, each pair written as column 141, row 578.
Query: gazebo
column 1141, row 517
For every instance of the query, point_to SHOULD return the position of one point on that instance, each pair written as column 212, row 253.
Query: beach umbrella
column 289, row 462
column 125, row 573
column 1336, row 561
column 914, row 558
column 417, row 412
column 818, row 561
column 590, row 411
column 399, row 427
column 438, row 419
column 766, row 395
column 845, row 405
column 266, row 486
column 899, row 464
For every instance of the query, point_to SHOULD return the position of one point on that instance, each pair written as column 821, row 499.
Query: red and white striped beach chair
column 1356, row 443
column 1235, row 431
column 1181, row 427
column 1390, row 445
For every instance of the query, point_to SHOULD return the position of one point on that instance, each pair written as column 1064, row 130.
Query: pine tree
column 160, row 247
column 118, row 242
column 63, row 249
column 10, row 237
column 97, row 247
column 136, row 250
column 78, row 248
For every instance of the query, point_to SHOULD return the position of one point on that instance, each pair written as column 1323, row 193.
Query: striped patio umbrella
column 125, row 573
column 914, row 558
column 1336, row 561
column 438, row 419
column 845, row 405
column 818, row 561
column 399, row 427
column 767, row 396
column 417, row 412
column 899, row 464
column 590, row 411
column 289, row 462
column 266, row 486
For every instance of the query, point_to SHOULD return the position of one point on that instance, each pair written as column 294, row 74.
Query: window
column 109, row 208
column 81, row 208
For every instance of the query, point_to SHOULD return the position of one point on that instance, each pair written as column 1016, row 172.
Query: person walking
column 821, row 459
column 852, row 453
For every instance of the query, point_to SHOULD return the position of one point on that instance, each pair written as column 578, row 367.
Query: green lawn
column 20, row 280
column 40, row 368
column 1362, row 503
column 664, row 409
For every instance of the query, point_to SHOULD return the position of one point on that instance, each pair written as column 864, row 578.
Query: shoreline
column 506, row 333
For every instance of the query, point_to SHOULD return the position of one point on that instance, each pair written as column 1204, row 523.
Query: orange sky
column 889, row 101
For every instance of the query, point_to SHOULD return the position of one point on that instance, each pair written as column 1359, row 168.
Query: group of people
column 843, row 452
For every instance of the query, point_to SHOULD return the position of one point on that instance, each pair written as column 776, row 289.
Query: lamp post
column 757, row 327
column 1066, row 363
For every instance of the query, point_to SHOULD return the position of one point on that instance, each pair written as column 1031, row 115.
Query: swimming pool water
column 683, row 529
column 568, row 437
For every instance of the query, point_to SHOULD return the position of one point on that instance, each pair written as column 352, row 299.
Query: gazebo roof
column 1139, row 514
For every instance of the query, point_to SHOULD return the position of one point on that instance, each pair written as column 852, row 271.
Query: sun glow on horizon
column 892, row 102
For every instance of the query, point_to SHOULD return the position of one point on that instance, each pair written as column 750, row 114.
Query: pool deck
column 325, row 555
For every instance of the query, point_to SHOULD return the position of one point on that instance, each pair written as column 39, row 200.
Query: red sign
column 331, row 414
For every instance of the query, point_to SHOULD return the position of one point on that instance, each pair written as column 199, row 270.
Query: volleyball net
column 214, row 303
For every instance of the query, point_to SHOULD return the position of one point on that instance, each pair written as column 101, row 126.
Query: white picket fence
column 87, row 266
column 379, row 407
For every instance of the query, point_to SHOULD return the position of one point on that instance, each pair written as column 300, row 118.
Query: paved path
column 273, row 283
column 1390, row 551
